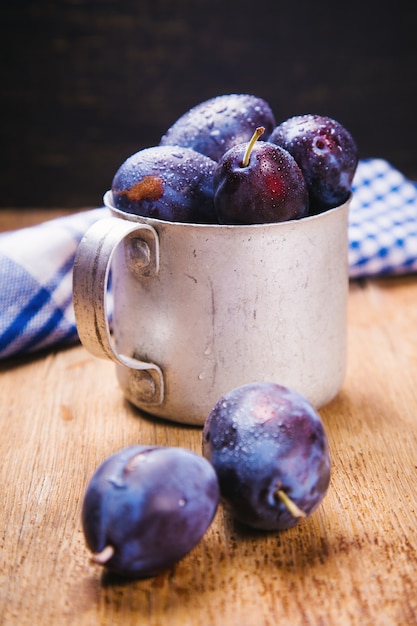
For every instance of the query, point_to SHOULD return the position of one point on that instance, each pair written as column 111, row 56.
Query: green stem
column 290, row 504
column 258, row 132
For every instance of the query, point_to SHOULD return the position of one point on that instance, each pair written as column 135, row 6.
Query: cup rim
column 108, row 203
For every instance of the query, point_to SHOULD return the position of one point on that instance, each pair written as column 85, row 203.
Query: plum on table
column 217, row 124
column 146, row 507
column 270, row 452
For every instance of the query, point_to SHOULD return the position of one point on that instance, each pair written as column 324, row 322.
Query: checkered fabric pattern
column 382, row 221
column 36, row 263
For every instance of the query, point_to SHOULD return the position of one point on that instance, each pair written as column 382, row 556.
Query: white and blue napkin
column 36, row 264
column 36, row 311
column 382, row 221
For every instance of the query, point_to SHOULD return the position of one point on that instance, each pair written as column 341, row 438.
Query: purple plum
column 258, row 182
column 146, row 507
column 326, row 153
column 217, row 124
column 270, row 451
column 168, row 183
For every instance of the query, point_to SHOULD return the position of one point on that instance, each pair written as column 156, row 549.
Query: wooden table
column 353, row 562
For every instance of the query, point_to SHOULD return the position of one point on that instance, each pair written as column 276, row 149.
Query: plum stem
column 105, row 555
column 258, row 132
column 290, row 504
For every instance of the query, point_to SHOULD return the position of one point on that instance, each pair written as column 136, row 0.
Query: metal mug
column 199, row 309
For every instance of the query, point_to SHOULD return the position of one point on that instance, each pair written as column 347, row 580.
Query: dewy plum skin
column 146, row 507
column 270, row 451
column 326, row 153
column 258, row 182
column 166, row 182
column 217, row 124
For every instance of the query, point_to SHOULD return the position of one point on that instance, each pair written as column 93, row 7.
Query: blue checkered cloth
column 36, row 311
column 36, row 263
column 382, row 221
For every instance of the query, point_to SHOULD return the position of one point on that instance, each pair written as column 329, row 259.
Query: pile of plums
column 265, row 455
column 226, row 161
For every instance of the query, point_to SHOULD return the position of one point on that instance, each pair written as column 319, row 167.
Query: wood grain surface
column 353, row 562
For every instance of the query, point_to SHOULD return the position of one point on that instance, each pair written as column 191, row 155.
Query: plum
column 326, row 153
column 168, row 183
column 258, row 182
column 270, row 451
column 146, row 507
column 217, row 124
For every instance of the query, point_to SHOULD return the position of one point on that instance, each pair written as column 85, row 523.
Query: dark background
column 84, row 84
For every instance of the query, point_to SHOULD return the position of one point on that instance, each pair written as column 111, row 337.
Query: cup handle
column 90, row 284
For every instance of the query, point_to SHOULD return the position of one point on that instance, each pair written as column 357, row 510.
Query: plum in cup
column 326, row 153
column 146, row 507
column 258, row 182
column 217, row 124
column 168, row 183
column 270, row 452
